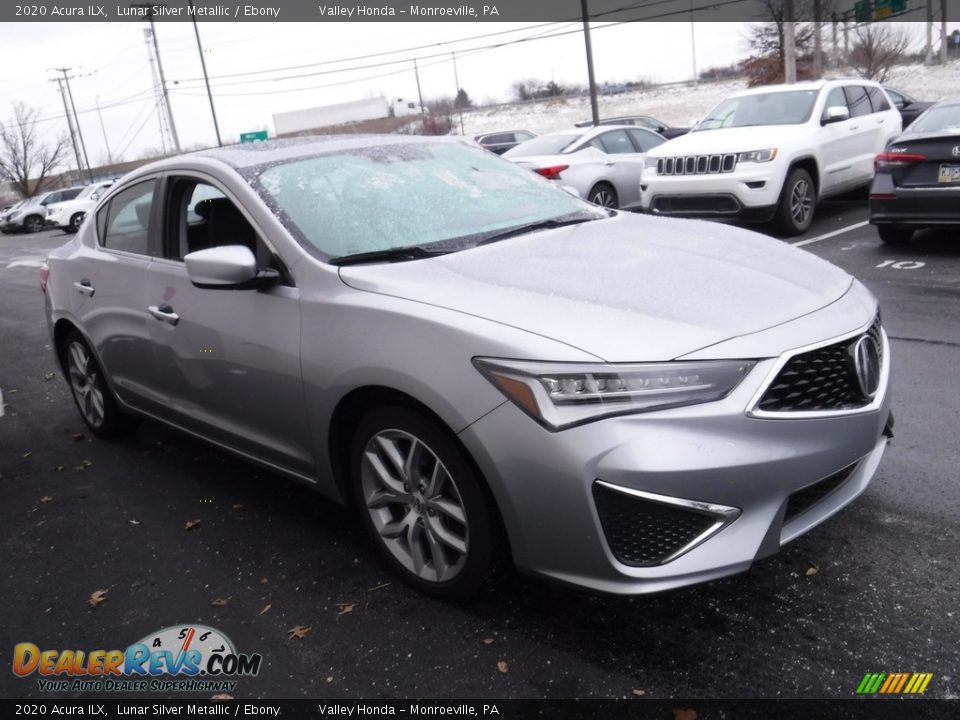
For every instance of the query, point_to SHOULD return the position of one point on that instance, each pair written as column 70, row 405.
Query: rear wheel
column 604, row 195
column 90, row 391
column 895, row 234
column 422, row 503
column 33, row 224
column 798, row 200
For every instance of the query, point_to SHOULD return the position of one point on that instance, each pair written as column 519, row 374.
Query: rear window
column 943, row 118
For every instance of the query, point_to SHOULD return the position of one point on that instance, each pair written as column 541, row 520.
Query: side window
column 858, row 100
column 877, row 99
column 523, row 136
column 898, row 100
column 836, row 98
column 202, row 217
column 644, row 140
column 124, row 223
column 616, row 142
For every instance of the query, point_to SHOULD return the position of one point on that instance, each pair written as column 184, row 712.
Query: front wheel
column 798, row 200
column 33, row 224
column 422, row 503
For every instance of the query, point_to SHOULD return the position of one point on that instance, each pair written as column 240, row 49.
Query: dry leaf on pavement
column 488, row 641
column 97, row 597
column 221, row 696
column 46, row 499
column 637, row 692
column 502, row 666
column 191, row 524
column 298, row 631
column 812, row 569
column 218, row 602
column 685, row 714
column 345, row 608
column 266, row 608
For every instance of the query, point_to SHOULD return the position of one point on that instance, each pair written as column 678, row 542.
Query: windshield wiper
column 530, row 227
column 400, row 254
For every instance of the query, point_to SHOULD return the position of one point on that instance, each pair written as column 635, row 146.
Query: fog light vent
column 644, row 529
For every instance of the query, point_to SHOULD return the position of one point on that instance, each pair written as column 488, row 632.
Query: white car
column 603, row 164
column 771, row 153
column 68, row 215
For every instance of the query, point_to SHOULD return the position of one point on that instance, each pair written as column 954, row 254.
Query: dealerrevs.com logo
column 184, row 658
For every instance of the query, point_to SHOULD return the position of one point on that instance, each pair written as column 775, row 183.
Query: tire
column 798, row 201
column 33, row 223
column 895, row 234
column 75, row 222
column 90, row 392
column 422, row 503
column 604, row 195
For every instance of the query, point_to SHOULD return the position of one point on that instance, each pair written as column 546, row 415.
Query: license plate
column 949, row 173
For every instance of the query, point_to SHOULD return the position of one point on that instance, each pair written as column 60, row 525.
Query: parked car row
column 770, row 153
column 64, row 208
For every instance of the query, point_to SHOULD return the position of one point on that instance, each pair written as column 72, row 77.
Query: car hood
column 727, row 140
column 630, row 288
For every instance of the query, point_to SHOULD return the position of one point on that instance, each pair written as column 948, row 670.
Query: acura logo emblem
column 956, row 150
column 866, row 363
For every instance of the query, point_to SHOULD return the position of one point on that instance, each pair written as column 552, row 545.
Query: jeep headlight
column 757, row 156
column 561, row 395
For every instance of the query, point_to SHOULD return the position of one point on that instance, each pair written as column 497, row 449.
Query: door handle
column 609, row 163
column 164, row 312
column 84, row 287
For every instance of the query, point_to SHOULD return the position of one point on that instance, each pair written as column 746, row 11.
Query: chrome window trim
column 753, row 406
column 724, row 515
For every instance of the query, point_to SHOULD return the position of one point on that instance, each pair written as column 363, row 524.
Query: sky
column 110, row 66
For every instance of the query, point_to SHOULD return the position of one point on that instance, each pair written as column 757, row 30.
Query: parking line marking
column 827, row 236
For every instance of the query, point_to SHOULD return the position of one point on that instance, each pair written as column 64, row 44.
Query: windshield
column 945, row 118
column 543, row 145
column 777, row 108
column 384, row 197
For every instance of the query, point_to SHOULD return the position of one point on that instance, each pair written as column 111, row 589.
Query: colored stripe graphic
column 894, row 683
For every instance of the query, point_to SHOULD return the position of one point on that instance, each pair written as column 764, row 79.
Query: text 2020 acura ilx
column 478, row 360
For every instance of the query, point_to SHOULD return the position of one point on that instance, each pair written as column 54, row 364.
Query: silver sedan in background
column 603, row 164
column 476, row 360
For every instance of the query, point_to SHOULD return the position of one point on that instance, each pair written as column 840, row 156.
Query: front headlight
column 758, row 156
column 650, row 162
column 561, row 395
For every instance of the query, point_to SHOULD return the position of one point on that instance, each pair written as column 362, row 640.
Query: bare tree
column 24, row 160
column 877, row 47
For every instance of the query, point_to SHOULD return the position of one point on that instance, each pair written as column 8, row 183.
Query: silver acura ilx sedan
column 482, row 364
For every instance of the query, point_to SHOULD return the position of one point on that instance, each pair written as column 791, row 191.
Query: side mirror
column 95, row 196
column 836, row 113
column 228, row 267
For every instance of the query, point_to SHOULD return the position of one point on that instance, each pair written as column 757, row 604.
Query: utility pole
column 83, row 146
column 789, row 43
column 163, row 80
column 103, row 129
column 585, row 14
column 943, row 31
column 203, row 64
column 817, row 39
column 693, row 47
column 928, row 58
column 456, row 81
column 416, row 72
column 73, row 137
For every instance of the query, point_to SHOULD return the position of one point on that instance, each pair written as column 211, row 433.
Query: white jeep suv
column 772, row 153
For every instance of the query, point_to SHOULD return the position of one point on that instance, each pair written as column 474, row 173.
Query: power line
column 155, row 108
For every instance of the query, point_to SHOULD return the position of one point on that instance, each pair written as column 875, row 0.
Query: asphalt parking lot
column 872, row 590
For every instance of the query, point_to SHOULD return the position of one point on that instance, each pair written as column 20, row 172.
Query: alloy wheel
column 604, row 197
column 33, row 224
column 801, row 202
column 76, row 221
column 415, row 505
column 84, row 376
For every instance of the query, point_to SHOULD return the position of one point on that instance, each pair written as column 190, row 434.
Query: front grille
column 821, row 379
column 805, row 498
column 642, row 532
column 697, row 164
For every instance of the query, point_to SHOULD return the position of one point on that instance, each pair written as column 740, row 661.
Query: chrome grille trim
column 697, row 164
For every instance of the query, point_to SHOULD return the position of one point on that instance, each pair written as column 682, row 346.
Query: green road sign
column 255, row 136
column 863, row 11
column 898, row 6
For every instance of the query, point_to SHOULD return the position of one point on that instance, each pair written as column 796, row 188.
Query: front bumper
column 756, row 478
column 749, row 194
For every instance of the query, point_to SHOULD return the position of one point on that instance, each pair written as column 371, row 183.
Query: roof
column 806, row 85
column 260, row 153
